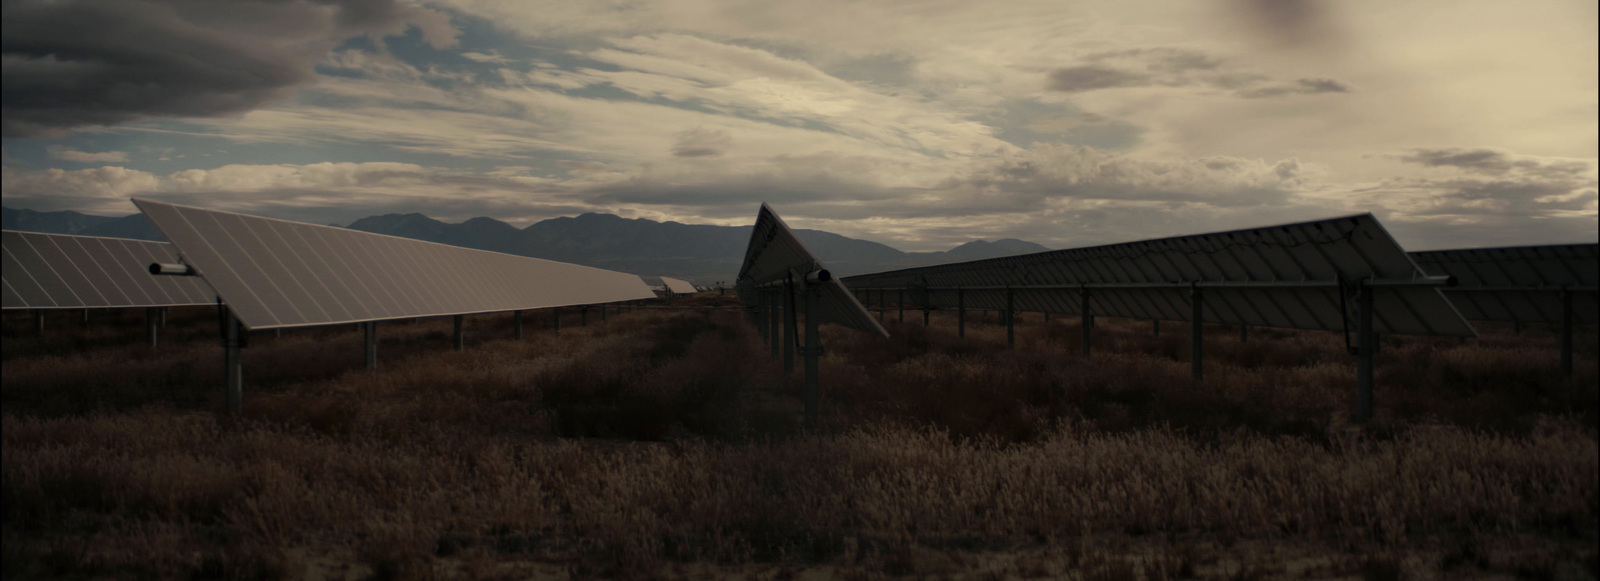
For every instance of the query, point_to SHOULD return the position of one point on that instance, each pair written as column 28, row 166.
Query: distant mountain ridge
column 702, row 254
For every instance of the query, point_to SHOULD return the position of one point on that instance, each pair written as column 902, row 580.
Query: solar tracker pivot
column 158, row 268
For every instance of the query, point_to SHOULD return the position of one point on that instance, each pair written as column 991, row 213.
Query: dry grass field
column 667, row 444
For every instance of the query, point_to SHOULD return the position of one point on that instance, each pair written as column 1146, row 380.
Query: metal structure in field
column 45, row 272
column 1342, row 274
column 780, row 280
column 277, row 274
column 677, row 286
column 1553, row 284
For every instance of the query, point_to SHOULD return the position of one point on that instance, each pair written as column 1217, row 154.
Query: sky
column 918, row 124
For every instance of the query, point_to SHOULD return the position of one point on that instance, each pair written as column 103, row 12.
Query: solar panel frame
column 776, row 255
column 64, row 271
column 1277, row 276
column 1519, row 283
column 276, row 274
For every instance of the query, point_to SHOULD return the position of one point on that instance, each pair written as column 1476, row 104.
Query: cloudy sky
column 920, row 124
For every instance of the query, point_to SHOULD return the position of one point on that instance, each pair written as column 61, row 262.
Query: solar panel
column 1518, row 283
column 59, row 271
column 678, row 286
column 280, row 274
column 1280, row 276
column 775, row 255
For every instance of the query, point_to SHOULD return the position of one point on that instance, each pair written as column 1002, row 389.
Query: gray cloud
column 1299, row 87
column 1092, row 77
column 1286, row 22
column 701, row 142
column 75, row 63
column 1495, row 162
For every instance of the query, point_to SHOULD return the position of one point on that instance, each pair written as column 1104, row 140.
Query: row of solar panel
column 776, row 257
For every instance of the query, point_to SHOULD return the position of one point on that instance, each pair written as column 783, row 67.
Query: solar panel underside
column 1345, row 249
column 58, row 271
column 1520, row 283
column 776, row 255
column 277, row 274
column 678, row 286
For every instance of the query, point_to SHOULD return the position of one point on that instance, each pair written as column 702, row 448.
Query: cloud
column 1092, row 77
column 1299, row 87
column 78, row 63
column 489, row 57
column 1287, row 22
column 69, row 154
column 1494, row 193
column 701, row 142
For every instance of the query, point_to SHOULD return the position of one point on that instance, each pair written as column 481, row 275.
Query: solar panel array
column 59, row 271
column 775, row 255
column 279, row 274
column 1519, row 283
column 678, row 286
column 1280, row 276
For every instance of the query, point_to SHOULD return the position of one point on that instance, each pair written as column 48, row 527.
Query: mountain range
column 701, row 254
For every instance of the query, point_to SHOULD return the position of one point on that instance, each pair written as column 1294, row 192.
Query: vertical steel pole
column 86, row 316
column 1155, row 327
column 790, row 318
column 1087, row 332
column 961, row 313
column 460, row 338
column 902, row 305
column 776, row 328
column 233, row 367
column 883, row 304
column 761, row 316
column 516, row 325
column 925, row 313
column 1011, row 331
column 371, row 329
column 555, row 318
column 1197, row 329
column 1244, row 333
column 38, row 322
column 1366, row 346
column 813, row 350
column 583, row 316
column 150, row 325
column 1566, row 333
column 602, row 313
column 164, row 317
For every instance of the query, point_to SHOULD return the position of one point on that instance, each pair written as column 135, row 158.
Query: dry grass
column 666, row 444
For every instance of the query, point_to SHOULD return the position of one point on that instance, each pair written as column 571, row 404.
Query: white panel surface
column 59, row 271
column 276, row 274
column 677, row 286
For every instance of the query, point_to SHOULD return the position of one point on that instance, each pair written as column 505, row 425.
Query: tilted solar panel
column 278, row 274
column 678, row 286
column 775, row 255
column 1519, row 283
column 59, row 271
column 1279, row 276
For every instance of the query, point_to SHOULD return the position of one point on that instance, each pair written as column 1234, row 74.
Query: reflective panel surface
column 59, row 271
column 775, row 255
column 276, row 273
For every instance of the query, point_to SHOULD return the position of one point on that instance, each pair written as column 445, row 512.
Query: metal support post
column 1197, row 327
column 1516, row 325
column 602, row 313
column 813, row 350
column 961, row 313
column 776, row 328
column 1047, row 317
column 902, row 305
column 164, row 317
column 1011, row 330
column 516, row 325
column 883, row 305
column 371, row 329
column 150, row 326
column 583, row 316
column 1365, row 348
column 233, row 367
column 555, row 319
column 1087, row 332
column 1155, row 326
column 1566, row 333
column 86, row 316
column 460, row 339
column 925, row 312
column 38, row 322
column 761, row 316
column 1244, row 333
column 790, row 319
